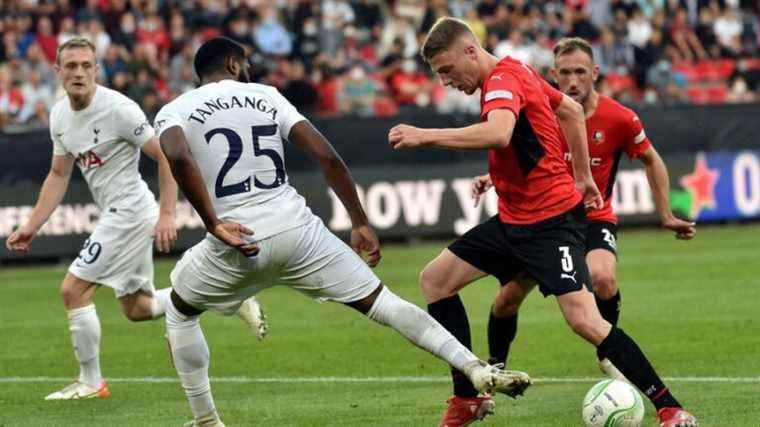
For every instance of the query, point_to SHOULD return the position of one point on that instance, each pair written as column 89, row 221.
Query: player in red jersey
column 540, row 227
column 612, row 130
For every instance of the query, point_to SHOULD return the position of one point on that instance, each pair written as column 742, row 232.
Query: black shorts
column 601, row 235
column 552, row 251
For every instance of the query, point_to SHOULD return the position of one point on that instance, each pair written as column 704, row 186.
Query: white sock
column 191, row 359
column 85, row 336
column 420, row 328
column 159, row 302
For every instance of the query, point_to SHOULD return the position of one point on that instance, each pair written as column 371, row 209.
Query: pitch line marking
column 405, row 379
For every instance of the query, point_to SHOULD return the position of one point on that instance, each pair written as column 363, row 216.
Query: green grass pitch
column 692, row 307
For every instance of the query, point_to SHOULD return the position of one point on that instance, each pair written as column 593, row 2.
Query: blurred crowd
column 360, row 57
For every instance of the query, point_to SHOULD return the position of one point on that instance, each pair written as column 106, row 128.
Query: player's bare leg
column 602, row 265
column 581, row 313
column 141, row 305
column 84, row 325
column 190, row 355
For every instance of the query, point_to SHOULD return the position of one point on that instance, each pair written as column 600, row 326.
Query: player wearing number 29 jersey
column 235, row 132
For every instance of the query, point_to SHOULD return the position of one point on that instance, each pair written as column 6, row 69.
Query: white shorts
column 308, row 258
column 119, row 253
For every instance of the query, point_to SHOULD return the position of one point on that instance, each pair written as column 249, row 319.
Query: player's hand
column 21, row 239
column 232, row 234
column 165, row 233
column 363, row 239
column 684, row 230
column 480, row 184
column 592, row 198
column 405, row 136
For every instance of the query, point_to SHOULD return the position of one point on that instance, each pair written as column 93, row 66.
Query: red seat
column 697, row 94
column 717, row 94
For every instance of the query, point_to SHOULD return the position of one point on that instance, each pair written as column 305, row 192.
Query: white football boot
column 493, row 379
column 254, row 317
column 78, row 390
column 208, row 420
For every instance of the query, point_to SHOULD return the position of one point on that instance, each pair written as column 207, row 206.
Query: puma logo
column 569, row 276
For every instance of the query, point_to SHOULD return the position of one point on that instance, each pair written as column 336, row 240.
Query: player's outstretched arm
column 189, row 178
column 659, row 182
column 51, row 194
column 309, row 139
column 166, row 232
column 496, row 132
column 572, row 120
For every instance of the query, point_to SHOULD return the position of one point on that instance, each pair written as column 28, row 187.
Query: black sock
column 609, row 308
column 501, row 333
column 623, row 352
column 450, row 313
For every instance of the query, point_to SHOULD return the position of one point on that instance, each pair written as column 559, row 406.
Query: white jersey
column 235, row 132
column 106, row 137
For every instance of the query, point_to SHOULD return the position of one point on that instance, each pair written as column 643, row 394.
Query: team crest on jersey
column 140, row 129
column 598, row 137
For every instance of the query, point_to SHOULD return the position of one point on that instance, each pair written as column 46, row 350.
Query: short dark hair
column 442, row 35
column 571, row 44
column 211, row 56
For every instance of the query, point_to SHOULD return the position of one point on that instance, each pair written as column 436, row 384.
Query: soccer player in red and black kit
column 540, row 227
column 612, row 130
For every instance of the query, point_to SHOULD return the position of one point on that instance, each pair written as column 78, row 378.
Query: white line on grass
column 285, row 380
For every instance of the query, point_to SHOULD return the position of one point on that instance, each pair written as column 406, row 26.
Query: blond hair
column 74, row 43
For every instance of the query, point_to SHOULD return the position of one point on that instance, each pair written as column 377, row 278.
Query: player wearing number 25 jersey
column 224, row 142
column 235, row 132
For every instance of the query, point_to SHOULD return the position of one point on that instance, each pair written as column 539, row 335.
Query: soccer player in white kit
column 224, row 143
column 103, row 132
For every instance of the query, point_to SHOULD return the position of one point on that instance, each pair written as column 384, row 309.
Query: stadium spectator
column 38, row 99
column 687, row 46
column 409, row 86
column 46, row 39
column 298, row 90
column 631, row 38
column 36, row 61
column 358, row 94
column 11, row 98
column 67, row 30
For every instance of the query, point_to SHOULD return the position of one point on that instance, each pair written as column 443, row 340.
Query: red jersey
column 530, row 177
column 611, row 130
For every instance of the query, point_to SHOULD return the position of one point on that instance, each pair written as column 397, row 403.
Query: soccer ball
column 613, row 403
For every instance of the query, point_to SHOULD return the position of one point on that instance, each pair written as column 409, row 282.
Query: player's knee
column 135, row 314
column 432, row 285
column 505, row 305
column 73, row 296
column 605, row 284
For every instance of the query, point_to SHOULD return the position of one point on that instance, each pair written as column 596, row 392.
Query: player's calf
column 190, row 355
